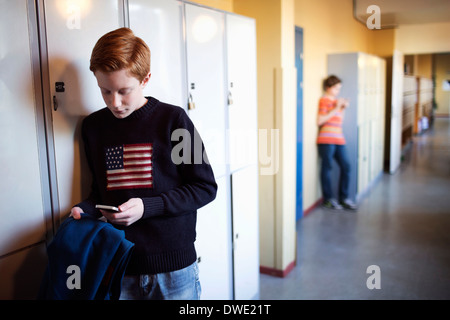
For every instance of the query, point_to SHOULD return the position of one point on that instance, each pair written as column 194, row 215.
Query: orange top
column 331, row 131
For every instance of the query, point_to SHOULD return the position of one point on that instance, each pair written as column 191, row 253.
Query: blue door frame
column 299, row 66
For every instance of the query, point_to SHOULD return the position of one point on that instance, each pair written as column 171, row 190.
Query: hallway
column 402, row 226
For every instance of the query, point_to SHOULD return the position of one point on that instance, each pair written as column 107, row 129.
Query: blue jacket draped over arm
column 99, row 252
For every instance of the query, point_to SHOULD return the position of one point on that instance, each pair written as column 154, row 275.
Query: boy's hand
column 76, row 213
column 343, row 103
column 130, row 212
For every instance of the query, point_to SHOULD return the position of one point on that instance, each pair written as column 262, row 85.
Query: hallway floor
column 402, row 226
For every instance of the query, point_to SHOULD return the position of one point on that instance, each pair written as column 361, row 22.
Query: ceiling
column 394, row 13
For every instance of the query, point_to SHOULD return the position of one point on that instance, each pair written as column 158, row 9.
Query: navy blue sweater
column 133, row 158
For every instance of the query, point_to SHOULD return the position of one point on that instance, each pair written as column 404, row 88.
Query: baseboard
column 283, row 273
column 276, row 272
column 314, row 206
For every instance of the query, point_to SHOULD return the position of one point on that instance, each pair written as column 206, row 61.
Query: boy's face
column 122, row 92
column 334, row 90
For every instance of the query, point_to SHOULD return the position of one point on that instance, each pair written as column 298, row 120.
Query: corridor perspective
column 402, row 226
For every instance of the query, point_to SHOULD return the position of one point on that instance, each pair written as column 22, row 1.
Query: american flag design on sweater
column 129, row 166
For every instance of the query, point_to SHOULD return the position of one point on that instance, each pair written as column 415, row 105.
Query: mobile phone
column 105, row 207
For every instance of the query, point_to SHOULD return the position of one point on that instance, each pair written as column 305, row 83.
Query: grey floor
column 402, row 226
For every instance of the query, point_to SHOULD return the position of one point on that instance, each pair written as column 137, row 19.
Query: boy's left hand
column 130, row 212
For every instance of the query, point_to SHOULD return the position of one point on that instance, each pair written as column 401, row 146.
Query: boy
column 331, row 143
column 130, row 153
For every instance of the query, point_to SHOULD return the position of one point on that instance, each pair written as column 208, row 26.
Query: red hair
column 121, row 49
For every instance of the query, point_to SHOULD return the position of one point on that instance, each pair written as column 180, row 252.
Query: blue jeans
column 328, row 152
column 183, row 284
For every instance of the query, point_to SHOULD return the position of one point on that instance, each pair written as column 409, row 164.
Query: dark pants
column 328, row 152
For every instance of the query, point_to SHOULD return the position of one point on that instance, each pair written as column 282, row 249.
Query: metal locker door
column 213, row 246
column 24, row 191
column 244, row 188
column 72, row 29
column 206, row 85
column 242, row 95
column 159, row 23
column 243, row 144
column 206, row 81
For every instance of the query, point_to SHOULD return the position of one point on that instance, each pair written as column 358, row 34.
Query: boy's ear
column 146, row 79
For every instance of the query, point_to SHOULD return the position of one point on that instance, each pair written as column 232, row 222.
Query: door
column 72, row 29
column 213, row 246
column 206, row 81
column 243, row 144
column 299, row 67
column 159, row 23
column 242, row 91
column 206, row 86
column 25, row 210
column 244, row 188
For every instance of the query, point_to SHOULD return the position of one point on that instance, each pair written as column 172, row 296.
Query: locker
column 242, row 100
column 159, row 23
column 206, row 80
column 245, row 233
column 72, row 29
column 227, row 113
column 21, row 192
column 24, row 190
column 21, row 273
column 363, row 82
column 205, row 66
column 217, row 71
column 243, row 142
column 213, row 245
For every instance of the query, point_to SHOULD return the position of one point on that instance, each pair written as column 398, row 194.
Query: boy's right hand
column 342, row 103
column 76, row 213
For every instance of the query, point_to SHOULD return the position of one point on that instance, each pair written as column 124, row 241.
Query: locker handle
column 191, row 104
column 230, row 98
column 55, row 103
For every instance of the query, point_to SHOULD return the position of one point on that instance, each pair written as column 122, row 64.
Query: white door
column 159, row 23
column 206, row 89
column 23, row 189
column 244, row 188
column 396, row 111
column 213, row 246
column 242, row 92
column 72, row 29
column 243, row 145
column 206, row 80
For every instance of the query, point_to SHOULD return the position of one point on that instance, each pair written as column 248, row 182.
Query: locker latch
column 191, row 104
column 230, row 98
